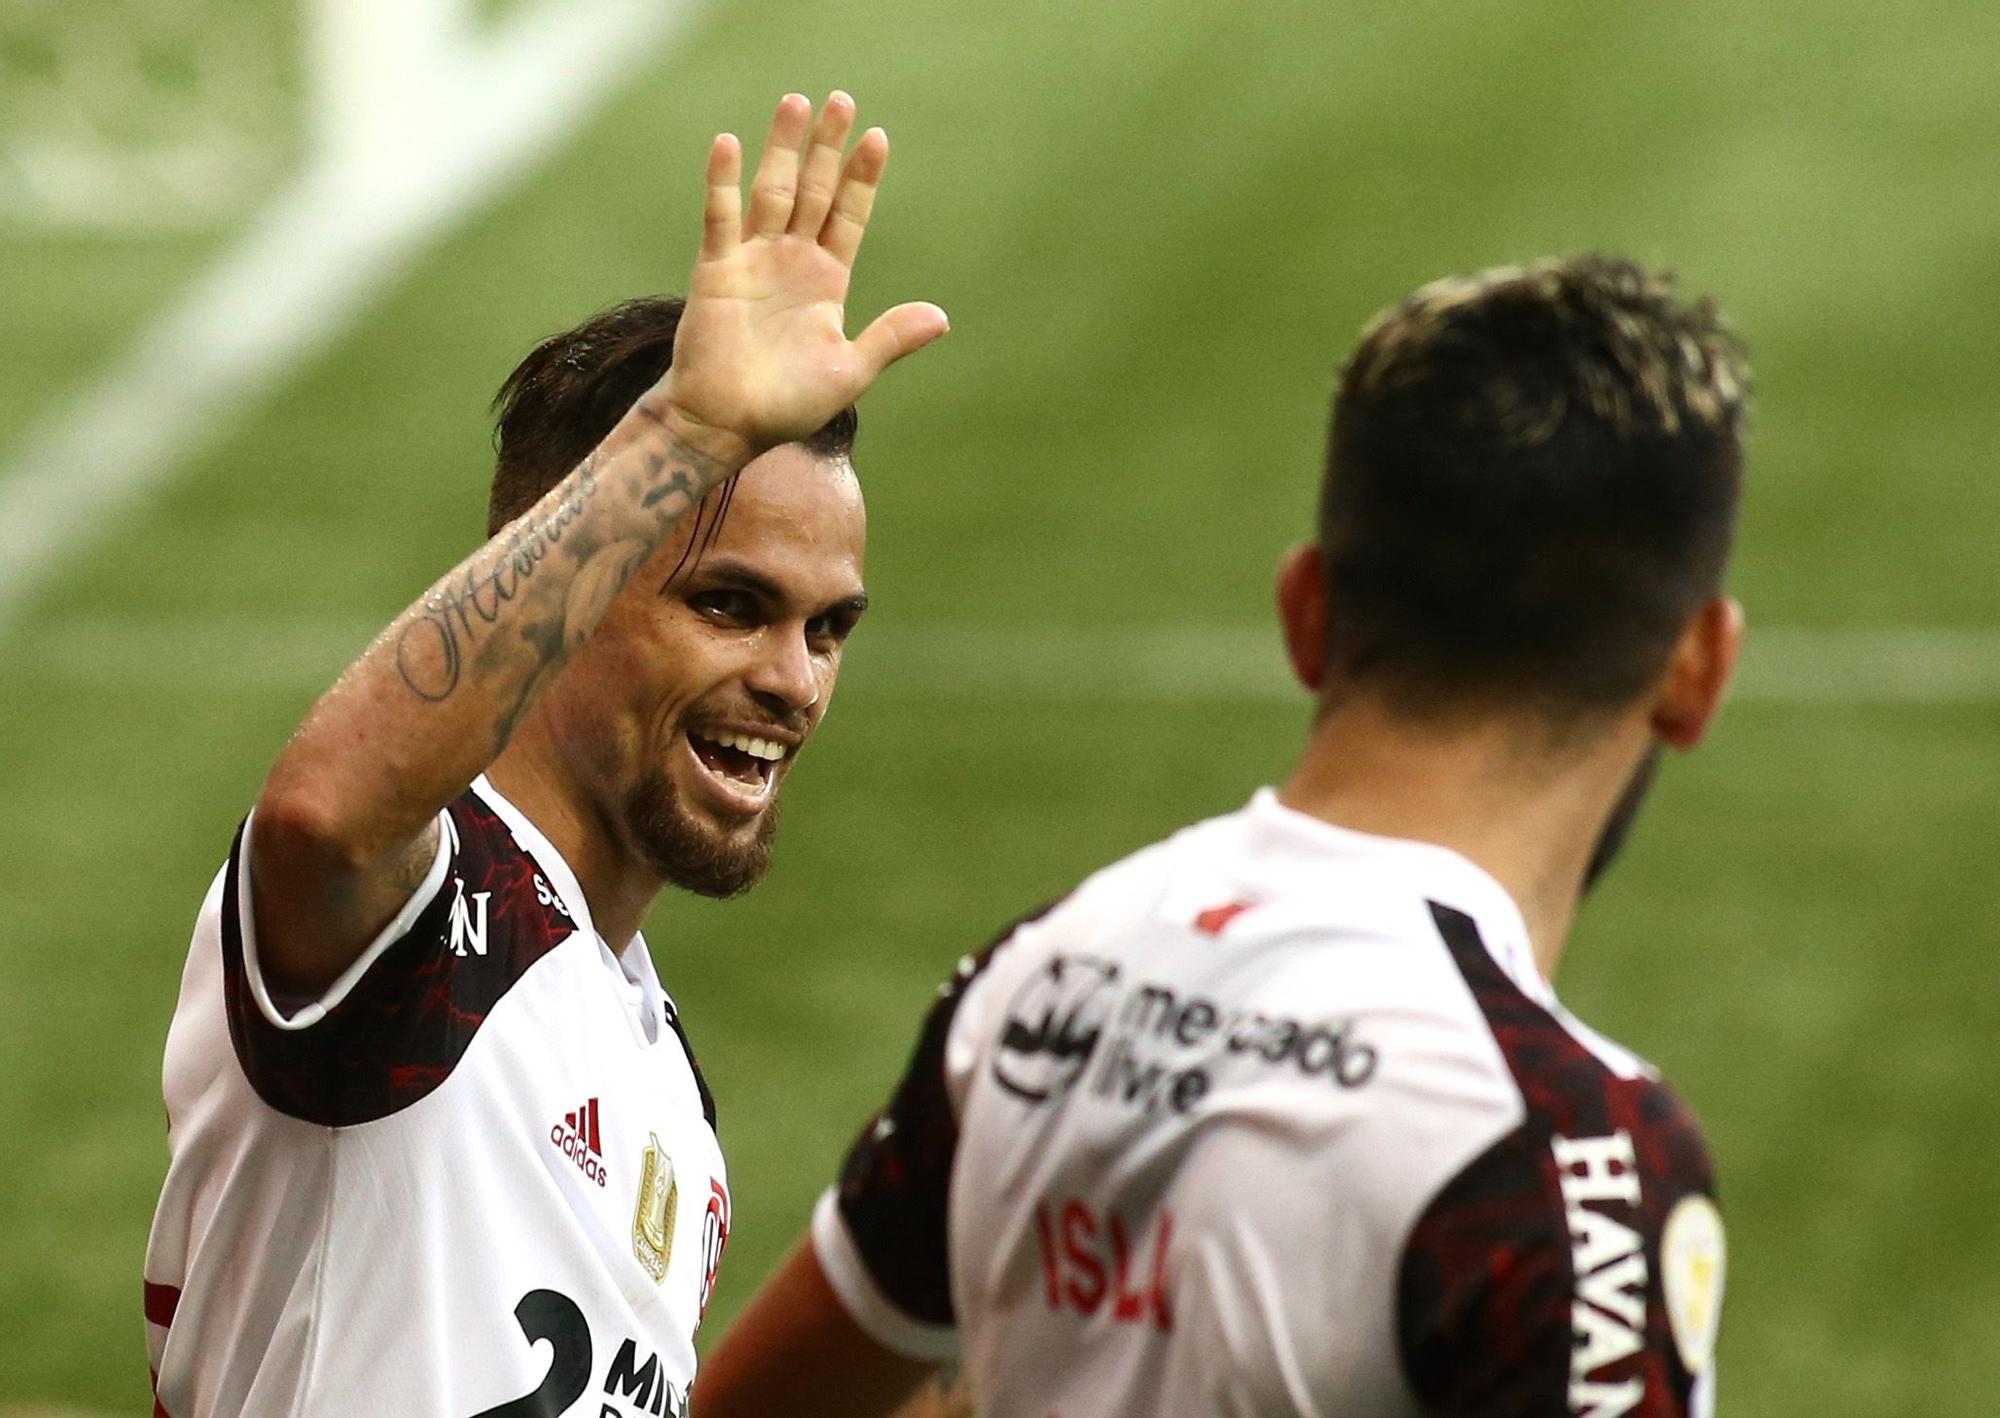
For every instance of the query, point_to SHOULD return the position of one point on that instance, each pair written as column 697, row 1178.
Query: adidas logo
column 578, row 1138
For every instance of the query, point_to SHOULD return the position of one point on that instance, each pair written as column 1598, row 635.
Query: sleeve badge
column 1692, row 1259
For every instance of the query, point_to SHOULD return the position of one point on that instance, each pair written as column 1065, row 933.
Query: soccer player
column 1282, row 1115
column 439, row 1148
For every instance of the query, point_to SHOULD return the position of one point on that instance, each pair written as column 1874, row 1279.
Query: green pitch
column 1156, row 229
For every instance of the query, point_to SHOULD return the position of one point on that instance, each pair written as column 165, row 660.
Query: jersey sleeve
column 1569, row 1275
column 396, row 1022
column 881, row 1231
column 1575, row 1266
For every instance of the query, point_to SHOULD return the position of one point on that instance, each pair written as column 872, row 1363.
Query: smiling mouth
column 743, row 759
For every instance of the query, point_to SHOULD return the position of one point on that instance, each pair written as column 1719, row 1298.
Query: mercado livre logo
column 1149, row 1043
column 1054, row 1022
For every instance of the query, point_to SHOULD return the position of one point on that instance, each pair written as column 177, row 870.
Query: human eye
column 725, row 605
column 831, row 628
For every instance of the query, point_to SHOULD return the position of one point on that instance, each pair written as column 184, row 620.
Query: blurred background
column 265, row 263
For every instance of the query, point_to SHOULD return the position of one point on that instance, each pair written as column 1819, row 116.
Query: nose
column 786, row 677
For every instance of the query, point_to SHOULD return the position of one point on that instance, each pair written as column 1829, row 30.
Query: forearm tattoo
column 521, row 606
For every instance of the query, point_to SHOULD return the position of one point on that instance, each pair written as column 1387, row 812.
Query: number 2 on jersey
column 551, row 1315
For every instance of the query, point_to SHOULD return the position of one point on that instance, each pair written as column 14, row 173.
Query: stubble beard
column 1624, row 813
column 691, row 853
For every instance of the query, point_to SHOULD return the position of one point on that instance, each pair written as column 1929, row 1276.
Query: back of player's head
column 562, row 400
column 1531, row 486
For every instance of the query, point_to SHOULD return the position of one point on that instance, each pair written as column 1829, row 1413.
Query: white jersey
column 477, row 1177
column 1276, row 1118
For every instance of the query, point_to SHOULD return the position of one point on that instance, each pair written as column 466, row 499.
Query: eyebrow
column 727, row 571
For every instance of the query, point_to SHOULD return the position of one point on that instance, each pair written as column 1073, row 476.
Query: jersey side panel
column 239, row 1231
column 1534, row 1282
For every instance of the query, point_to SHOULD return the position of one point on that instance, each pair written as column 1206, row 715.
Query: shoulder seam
column 1467, row 946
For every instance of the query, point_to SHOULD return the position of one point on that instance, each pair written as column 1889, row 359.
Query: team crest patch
column 653, row 1222
column 1692, row 1258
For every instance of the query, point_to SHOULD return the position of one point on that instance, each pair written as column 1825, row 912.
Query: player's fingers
column 900, row 331
column 847, row 223
column 778, row 170
column 722, row 213
column 820, row 173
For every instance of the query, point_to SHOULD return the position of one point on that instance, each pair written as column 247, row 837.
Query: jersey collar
column 1437, row 871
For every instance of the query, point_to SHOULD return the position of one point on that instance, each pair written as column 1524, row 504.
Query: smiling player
column 438, row 1145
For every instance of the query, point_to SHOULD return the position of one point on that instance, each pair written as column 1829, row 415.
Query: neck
column 1491, row 790
column 532, row 776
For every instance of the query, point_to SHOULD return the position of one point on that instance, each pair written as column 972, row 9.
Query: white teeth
column 755, row 747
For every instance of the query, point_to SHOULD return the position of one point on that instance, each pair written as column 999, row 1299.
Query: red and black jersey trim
column 700, row 1083
column 401, row 1030
column 161, row 1303
column 1487, row 1284
column 895, row 1189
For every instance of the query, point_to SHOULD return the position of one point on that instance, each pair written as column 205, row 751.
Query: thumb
column 894, row 333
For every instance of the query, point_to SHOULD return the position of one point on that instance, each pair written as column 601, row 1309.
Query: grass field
column 1156, row 228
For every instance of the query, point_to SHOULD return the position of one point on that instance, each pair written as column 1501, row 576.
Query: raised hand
column 762, row 352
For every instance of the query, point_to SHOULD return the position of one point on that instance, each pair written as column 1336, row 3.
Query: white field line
column 422, row 119
column 1191, row 664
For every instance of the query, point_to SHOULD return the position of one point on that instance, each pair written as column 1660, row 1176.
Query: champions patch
column 1692, row 1260
column 653, row 1220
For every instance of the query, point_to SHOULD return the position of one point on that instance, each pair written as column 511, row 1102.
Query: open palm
column 762, row 351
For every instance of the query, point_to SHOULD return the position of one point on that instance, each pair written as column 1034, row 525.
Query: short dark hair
column 562, row 400
column 1531, row 484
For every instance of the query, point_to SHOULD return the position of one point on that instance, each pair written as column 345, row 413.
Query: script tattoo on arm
column 515, row 612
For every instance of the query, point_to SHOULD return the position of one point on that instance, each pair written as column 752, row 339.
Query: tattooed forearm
column 550, row 642
column 679, row 485
column 596, row 543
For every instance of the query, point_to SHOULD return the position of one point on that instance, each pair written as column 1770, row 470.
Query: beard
column 690, row 852
column 1624, row 812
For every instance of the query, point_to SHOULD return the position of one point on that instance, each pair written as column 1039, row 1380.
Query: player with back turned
column 438, row 1145
column 1281, row 1116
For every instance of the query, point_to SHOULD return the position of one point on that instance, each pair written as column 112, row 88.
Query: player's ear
column 1302, row 613
column 1698, row 673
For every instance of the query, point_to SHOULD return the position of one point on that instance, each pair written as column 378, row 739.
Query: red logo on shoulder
column 1211, row 921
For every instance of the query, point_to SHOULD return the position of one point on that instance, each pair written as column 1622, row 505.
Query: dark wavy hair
column 1531, row 484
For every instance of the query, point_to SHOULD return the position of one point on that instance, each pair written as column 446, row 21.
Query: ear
column 1698, row 673
column 1302, row 613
